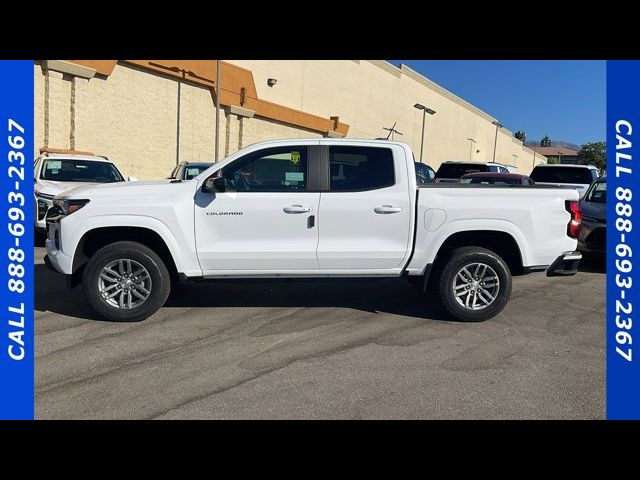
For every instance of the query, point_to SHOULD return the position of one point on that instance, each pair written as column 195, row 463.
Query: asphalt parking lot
column 322, row 350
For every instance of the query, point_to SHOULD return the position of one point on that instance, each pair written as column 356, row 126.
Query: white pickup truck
column 310, row 208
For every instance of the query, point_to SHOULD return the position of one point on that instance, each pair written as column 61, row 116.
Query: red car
column 493, row 178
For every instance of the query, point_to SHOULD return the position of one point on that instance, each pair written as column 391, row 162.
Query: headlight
column 67, row 206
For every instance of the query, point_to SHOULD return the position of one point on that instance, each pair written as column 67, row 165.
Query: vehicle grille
column 597, row 240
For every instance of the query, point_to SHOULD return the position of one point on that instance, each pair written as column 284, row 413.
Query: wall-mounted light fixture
column 272, row 81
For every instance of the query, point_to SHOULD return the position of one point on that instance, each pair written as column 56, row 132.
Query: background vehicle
column 578, row 177
column 450, row 172
column 593, row 233
column 424, row 173
column 496, row 179
column 257, row 213
column 188, row 170
column 55, row 173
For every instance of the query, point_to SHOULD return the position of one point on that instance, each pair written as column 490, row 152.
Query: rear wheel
column 475, row 284
column 126, row 282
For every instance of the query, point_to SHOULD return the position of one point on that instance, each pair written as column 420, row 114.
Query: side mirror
column 215, row 184
column 132, row 179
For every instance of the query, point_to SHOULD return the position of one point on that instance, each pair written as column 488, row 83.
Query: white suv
column 578, row 177
column 55, row 173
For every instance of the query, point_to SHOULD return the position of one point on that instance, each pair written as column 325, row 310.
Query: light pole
column 472, row 142
column 495, row 141
column 218, row 93
column 425, row 110
column 559, row 157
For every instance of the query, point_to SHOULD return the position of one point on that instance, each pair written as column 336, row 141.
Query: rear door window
column 457, row 170
column 360, row 168
column 562, row 175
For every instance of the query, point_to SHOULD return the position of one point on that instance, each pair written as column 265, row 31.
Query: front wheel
column 126, row 282
column 475, row 284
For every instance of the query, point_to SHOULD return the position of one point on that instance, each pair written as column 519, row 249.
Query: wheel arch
column 96, row 238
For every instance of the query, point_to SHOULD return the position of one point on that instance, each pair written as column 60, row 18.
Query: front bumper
column 56, row 259
column 593, row 236
column 565, row 264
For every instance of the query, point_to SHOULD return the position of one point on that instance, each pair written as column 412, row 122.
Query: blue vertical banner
column 16, row 240
column 623, row 248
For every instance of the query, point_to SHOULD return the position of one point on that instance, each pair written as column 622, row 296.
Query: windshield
column 66, row 170
column 598, row 193
column 490, row 180
column 457, row 170
column 562, row 175
column 191, row 171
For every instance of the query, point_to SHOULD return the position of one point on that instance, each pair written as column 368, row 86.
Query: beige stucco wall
column 369, row 95
column 131, row 116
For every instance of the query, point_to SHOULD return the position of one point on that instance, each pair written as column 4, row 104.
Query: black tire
column 455, row 261
column 160, row 281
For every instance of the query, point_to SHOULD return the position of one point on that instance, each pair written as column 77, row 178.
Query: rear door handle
column 296, row 209
column 387, row 209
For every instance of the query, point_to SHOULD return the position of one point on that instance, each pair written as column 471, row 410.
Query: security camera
column 271, row 81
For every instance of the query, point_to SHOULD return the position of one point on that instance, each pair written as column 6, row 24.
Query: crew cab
column 335, row 208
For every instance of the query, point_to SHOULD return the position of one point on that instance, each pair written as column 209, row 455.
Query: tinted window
column 490, row 180
column 457, row 170
column 63, row 170
column 562, row 175
column 280, row 169
column 360, row 168
column 597, row 193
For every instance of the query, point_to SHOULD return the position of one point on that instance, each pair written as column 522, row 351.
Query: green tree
column 594, row 153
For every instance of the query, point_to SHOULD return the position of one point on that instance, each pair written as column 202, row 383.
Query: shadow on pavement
column 391, row 296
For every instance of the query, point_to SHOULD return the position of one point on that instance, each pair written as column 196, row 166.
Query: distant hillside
column 557, row 143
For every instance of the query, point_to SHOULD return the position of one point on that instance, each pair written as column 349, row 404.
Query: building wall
column 369, row 95
column 131, row 116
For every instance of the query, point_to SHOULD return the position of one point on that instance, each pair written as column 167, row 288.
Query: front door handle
column 296, row 209
column 387, row 209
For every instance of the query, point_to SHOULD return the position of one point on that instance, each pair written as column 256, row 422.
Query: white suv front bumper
column 58, row 260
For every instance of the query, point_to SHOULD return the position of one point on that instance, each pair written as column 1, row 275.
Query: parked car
column 489, row 178
column 424, row 173
column 578, row 177
column 188, row 170
column 450, row 172
column 257, row 213
column 55, row 173
column 593, row 206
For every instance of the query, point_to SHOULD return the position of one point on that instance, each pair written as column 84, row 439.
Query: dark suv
column 592, row 238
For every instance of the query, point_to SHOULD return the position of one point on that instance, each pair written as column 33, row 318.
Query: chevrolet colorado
column 310, row 208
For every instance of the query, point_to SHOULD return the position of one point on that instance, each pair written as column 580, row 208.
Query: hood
column 49, row 187
column 594, row 210
column 95, row 190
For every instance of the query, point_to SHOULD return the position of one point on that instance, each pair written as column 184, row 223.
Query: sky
column 565, row 99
